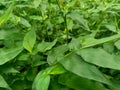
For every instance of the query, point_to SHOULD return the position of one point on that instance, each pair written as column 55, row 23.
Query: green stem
column 116, row 24
column 67, row 31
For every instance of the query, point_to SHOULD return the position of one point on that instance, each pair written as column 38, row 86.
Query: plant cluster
column 59, row 45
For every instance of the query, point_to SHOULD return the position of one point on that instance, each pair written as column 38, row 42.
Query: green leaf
column 78, row 83
column 101, row 58
column 117, row 44
column 21, row 85
column 70, row 24
column 3, row 83
column 35, row 17
column 29, row 40
column 9, row 54
column 2, row 34
column 109, row 47
column 80, row 19
column 24, row 22
column 89, row 42
column 56, row 54
column 55, row 85
column 31, row 73
column 6, row 15
column 8, row 68
column 37, row 3
column 23, row 57
column 44, row 46
column 75, row 43
column 76, row 65
column 57, row 69
column 111, row 27
column 38, row 60
column 41, row 81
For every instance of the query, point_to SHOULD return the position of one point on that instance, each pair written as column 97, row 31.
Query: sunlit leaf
column 6, row 15
column 37, row 3
column 41, row 81
column 57, row 69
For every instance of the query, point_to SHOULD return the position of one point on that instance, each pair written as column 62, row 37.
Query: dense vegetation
column 59, row 45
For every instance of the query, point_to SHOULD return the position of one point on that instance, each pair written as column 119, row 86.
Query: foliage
column 59, row 44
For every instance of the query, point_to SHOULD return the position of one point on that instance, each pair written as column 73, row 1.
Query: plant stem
column 65, row 21
column 67, row 31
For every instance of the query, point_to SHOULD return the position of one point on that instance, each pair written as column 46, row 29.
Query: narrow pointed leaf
column 89, row 42
column 6, row 15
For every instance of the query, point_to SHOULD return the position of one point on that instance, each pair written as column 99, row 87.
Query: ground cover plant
column 59, row 45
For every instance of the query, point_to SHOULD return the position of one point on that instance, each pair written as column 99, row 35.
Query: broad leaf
column 29, row 40
column 76, row 65
column 79, row 83
column 41, row 81
column 8, row 54
column 100, row 57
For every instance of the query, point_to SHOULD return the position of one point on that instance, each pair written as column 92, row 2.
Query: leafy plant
column 59, row 45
